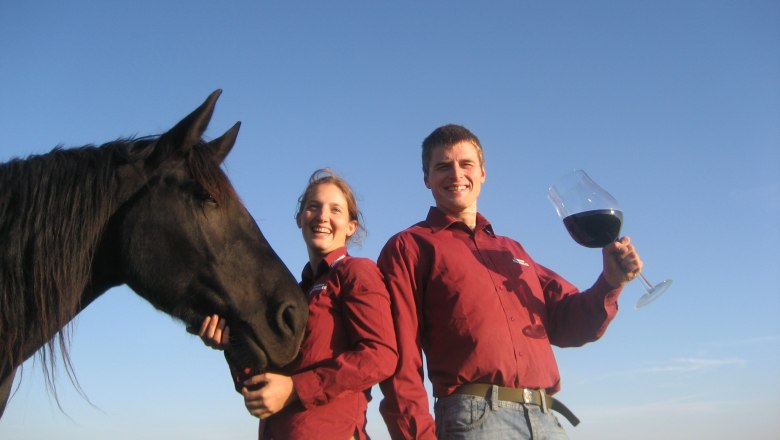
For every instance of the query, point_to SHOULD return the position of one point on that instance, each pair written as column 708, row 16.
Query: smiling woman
column 327, row 216
column 350, row 340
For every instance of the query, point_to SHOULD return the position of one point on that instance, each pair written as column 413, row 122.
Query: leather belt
column 520, row 395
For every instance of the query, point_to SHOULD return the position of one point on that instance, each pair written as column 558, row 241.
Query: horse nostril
column 287, row 320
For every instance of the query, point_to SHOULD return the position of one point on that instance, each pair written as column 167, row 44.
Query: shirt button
column 512, row 318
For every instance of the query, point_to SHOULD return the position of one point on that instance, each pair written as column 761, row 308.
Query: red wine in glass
column 596, row 228
column 594, row 218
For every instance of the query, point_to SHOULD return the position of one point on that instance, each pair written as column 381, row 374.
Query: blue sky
column 672, row 106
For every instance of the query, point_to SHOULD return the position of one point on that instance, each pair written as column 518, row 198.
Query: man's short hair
column 447, row 136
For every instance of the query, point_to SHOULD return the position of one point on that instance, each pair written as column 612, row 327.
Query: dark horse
column 157, row 214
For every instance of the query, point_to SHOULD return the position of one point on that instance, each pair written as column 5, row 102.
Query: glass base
column 653, row 293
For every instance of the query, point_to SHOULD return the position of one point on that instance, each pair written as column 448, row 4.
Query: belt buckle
column 528, row 396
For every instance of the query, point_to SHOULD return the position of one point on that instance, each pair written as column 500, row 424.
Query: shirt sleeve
column 577, row 318
column 365, row 307
column 405, row 403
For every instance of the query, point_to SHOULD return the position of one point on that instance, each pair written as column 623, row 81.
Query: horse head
column 184, row 241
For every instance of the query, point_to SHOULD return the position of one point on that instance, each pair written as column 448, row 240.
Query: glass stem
column 648, row 286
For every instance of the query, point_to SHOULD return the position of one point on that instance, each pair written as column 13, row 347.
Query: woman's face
column 324, row 220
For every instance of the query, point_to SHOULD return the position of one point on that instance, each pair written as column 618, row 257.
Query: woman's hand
column 214, row 332
column 621, row 262
column 268, row 393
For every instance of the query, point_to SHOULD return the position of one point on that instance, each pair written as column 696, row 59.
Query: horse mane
column 53, row 209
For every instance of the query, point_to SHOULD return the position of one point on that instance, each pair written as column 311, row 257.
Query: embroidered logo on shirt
column 519, row 261
column 317, row 288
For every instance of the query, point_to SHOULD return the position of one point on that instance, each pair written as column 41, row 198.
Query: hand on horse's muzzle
column 214, row 332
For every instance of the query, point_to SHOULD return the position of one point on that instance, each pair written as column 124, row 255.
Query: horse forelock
column 210, row 176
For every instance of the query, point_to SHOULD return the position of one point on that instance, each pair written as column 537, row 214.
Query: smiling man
column 455, row 176
column 483, row 311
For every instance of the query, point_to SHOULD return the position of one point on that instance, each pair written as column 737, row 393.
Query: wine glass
column 593, row 218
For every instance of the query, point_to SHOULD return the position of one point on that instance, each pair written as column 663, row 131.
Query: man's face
column 455, row 178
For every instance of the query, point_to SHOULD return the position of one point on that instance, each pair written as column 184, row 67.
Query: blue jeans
column 466, row 417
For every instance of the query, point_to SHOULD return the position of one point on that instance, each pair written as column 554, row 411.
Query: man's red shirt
column 482, row 310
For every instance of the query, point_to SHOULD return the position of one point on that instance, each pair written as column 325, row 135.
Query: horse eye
column 207, row 197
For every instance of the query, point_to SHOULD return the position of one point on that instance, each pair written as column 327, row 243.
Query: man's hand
column 621, row 262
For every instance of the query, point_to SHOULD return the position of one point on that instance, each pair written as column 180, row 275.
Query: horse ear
column 219, row 148
column 188, row 131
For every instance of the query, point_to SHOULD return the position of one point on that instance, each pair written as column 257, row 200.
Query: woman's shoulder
column 358, row 269
column 356, row 263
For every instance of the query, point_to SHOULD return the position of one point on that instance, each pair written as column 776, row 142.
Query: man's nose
column 456, row 171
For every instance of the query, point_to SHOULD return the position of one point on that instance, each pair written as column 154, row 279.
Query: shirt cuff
column 309, row 389
column 609, row 292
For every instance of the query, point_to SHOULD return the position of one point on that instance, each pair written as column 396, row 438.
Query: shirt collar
column 330, row 261
column 438, row 220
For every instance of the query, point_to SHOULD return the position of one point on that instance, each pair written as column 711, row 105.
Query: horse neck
column 129, row 180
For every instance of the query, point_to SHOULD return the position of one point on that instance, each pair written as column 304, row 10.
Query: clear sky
column 673, row 106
